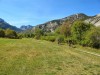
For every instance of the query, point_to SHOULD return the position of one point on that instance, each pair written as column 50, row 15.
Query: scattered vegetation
column 49, row 38
column 38, row 33
column 2, row 33
column 93, row 38
column 78, row 32
column 64, row 29
column 8, row 33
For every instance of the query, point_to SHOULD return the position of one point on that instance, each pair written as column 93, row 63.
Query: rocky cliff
column 94, row 20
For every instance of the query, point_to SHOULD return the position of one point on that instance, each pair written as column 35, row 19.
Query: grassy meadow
column 38, row 57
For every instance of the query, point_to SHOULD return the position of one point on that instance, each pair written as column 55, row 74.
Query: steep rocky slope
column 94, row 20
column 52, row 25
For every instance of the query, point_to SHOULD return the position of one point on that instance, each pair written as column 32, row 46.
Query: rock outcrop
column 94, row 20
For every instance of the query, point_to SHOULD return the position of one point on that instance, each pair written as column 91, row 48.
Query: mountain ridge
column 94, row 20
column 5, row 25
column 50, row 26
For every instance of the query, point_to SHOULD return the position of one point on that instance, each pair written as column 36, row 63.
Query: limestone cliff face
column 94, row 20
column 52, row 25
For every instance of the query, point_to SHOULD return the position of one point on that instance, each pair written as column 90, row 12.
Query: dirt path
column 89, row 52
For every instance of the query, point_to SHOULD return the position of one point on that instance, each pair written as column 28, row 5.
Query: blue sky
column 34, row 12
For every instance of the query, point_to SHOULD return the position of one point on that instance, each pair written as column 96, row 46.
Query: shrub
column 70, row 41
column 93, row 38
column 2, row 33
column 37, row 37
column 26, row 35
column 60, row 39
column 64, row 29
column 49, row 38
column 10, row 34
column 79, row 30
column 38, row 33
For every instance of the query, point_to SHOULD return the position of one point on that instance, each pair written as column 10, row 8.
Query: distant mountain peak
column 26, row 27
column 77, row 16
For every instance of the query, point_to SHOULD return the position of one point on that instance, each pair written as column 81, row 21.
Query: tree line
column 8, row 33
column 79, row 32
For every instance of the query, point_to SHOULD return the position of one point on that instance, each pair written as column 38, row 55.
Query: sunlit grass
column 35, row 57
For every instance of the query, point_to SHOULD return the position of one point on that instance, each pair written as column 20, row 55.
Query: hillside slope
column 52, row 25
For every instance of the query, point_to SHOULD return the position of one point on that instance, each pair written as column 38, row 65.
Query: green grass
column 36, row 57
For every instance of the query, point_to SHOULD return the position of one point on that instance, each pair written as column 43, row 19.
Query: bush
column 2, row 33
column 37, row 37
column 64, row 29
column 70, row 41
column 26, row 35
column 49, row 38
column 60, row 39
column 38, row 33
column 79, row 30
column 49, row 34
column 93, row 38
column 10, row 34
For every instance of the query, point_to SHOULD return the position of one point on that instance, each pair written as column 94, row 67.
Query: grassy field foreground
column 35, row 57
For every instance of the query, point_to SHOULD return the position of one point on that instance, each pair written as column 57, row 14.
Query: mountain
column 26, row 27
column 94, row 20
column 52, row 25
column 5, row 25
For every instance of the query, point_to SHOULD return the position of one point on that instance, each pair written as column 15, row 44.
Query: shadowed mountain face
column 5, row 25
